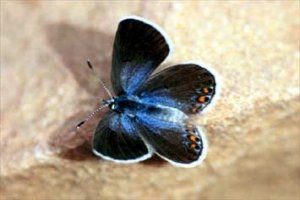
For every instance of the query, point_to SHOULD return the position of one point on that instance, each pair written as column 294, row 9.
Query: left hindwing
column 116, row 138
column 187, row 87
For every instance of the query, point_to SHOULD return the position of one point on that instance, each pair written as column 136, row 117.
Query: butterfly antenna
column 91, row 115
column 102, row 83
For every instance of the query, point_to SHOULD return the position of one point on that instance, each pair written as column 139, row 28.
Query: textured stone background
column 46, row 89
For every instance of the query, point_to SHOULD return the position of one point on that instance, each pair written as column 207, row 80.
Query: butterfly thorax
column 128, row 105
column 132, row 106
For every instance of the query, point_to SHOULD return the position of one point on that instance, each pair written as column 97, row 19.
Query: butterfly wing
column 167, row 131
column 116, row 139
column 139, row 47
column 188, row 87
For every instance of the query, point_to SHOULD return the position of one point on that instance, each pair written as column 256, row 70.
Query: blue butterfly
column 150, row 113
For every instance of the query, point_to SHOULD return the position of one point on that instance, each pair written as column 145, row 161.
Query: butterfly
column 151, row 113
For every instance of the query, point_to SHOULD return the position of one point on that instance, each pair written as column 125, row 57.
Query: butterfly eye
column 113, row 106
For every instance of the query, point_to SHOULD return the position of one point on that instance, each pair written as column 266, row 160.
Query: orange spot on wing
column 205, row 90
column 193, row 138
column 201, row 99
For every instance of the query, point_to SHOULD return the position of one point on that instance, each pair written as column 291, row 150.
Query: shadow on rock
column 73, row 143
column 75, row 45
column 154, row 161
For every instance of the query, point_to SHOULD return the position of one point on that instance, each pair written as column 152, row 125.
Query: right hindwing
column 167, row 131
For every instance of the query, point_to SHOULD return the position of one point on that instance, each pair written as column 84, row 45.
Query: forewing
column 116, row 138
column 139, row 48
column 172, row 137
column 188, row 87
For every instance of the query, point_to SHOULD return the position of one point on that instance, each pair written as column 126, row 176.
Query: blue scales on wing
column 168, row 132
column 138, row 50
column 116, row 139
column 187, row 87
column 151, row 113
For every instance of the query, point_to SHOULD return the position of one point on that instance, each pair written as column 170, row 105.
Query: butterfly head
column 111, row 103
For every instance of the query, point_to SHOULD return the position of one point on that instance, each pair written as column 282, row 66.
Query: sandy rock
column 46, row 89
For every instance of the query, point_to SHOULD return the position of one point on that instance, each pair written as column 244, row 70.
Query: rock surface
column 46, row 89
